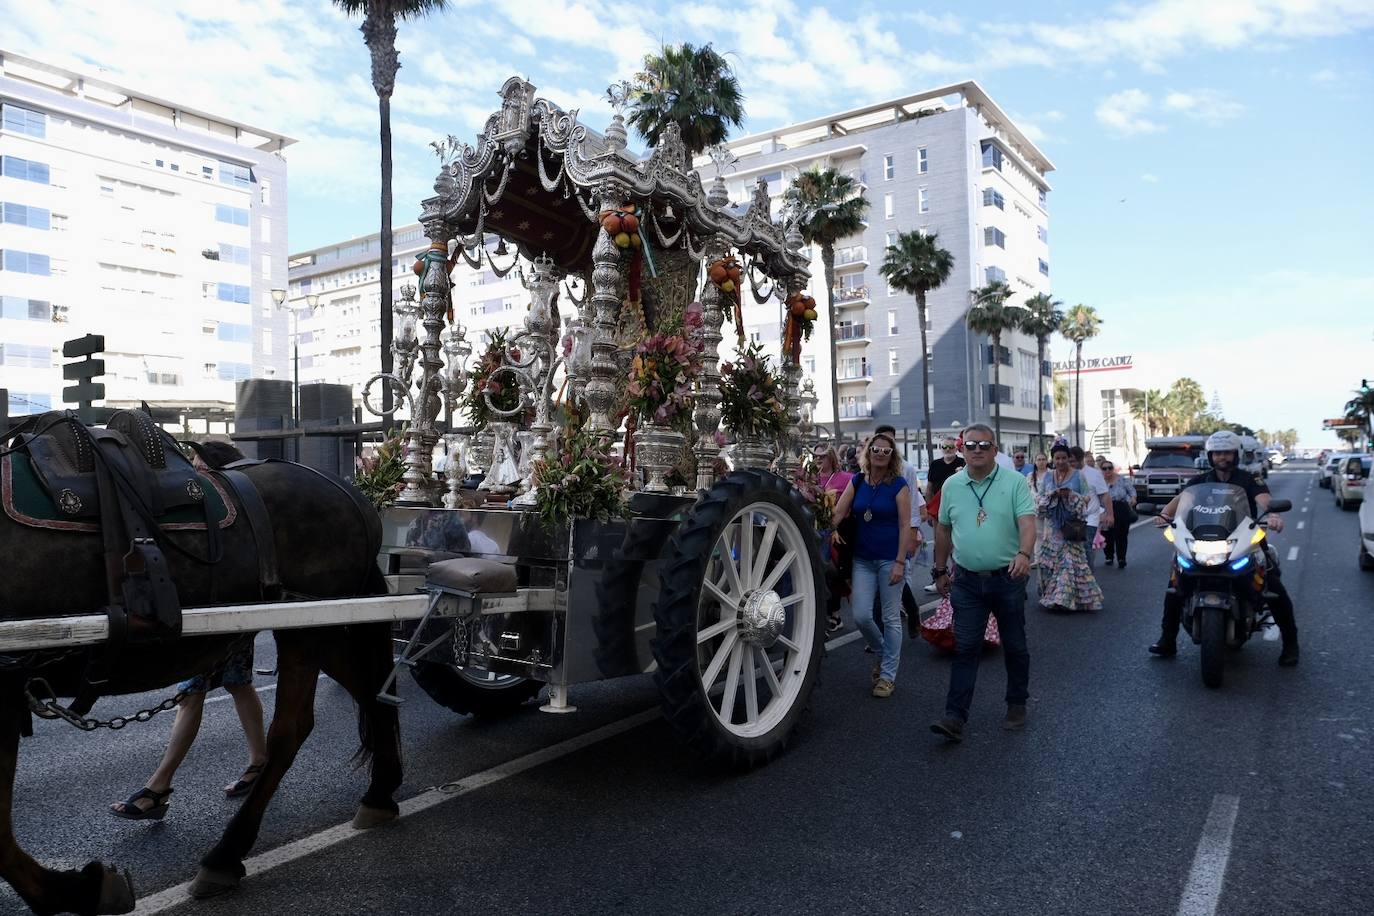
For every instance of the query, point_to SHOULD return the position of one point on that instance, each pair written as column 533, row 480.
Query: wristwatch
column 938, row 571
column 1024, row 554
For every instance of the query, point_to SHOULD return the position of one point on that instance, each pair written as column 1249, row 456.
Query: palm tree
column 1362, row 406
column 1080, row 323
column 379, row 34
column 917, row 264
column 827, row 207
column 1148, row 404
column 1040, row 320
column 1189, row 403
column 694, row 88
column 989, row 314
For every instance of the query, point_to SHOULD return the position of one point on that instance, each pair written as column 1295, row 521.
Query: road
column 1134, row 789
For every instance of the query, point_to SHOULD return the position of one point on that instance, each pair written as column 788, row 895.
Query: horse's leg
column 359, row 658
column 292, row 720
column 94, row 889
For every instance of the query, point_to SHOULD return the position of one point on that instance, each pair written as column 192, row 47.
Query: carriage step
column 390, row 699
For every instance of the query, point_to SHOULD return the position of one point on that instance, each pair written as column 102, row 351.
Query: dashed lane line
column 1301, row 525
column 1202, row 893
column 1292, row 554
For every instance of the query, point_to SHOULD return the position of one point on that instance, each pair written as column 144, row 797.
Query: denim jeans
column 1088, row 546
column 974, row 597
column 871, row 578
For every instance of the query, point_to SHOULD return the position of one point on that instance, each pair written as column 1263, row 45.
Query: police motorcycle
column 1221, row 556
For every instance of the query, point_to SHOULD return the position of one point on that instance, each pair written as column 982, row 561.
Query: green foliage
column 751, row 395
column 828, row 205
column 379, row 477
column 584, row 481
column 1081, row 322
column 487, row 380
column 989, row 313
column 916, row 264
column 1042, row 317
column 694, row 88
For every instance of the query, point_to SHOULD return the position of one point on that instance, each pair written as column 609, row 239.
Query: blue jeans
column 870, row 579
column 1088, row 545
column 974, row 597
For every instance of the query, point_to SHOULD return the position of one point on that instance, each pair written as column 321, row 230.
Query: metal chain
column 49, row 708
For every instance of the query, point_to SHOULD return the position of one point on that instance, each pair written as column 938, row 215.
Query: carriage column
column 604, row 298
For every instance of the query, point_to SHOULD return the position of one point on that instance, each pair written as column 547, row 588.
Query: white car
column 1328, row 469
column 1367, row 535
column 1349, row 479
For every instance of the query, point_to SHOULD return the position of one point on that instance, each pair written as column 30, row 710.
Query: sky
column 1211, row 196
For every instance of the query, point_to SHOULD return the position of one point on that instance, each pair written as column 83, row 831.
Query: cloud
column 1149, row 178
column 1123, row 112
column 1325, row 76
column 1206, row 105
column 948, row 24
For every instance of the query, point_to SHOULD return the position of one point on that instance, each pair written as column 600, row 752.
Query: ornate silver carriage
column 718, row 593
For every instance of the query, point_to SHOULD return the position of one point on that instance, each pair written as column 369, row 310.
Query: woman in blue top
column 880, row 501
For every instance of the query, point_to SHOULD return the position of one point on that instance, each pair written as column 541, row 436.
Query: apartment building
column 947, row 161
column 157, row 225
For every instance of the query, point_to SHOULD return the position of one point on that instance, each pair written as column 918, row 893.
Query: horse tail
column 370, row 651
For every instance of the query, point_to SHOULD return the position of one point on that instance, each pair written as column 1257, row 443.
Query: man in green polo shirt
column 987, row 515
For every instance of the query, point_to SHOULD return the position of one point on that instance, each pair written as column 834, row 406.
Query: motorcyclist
column 1223, row 452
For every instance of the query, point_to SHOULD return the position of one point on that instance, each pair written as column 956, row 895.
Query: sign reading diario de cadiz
column 1096, row 364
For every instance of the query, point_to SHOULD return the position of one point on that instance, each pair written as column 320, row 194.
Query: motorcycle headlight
column 1211, row 553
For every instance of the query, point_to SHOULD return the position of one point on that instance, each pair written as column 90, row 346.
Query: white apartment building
column 159, row 226
column 1109, row 426
column 947, row 161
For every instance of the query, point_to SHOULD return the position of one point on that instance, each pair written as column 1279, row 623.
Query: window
column 237, row 175
column 999, row 394
column 922, row 200
column 888, row 168
column 894, row 362
column 1002, row 355
column 994, row 275
column 29, row 402
column 24, row 121
column 175, row 167
column 992, row 198
column 234, row 372
column 887, row 206
column 1042, row 234
column 162, row 378
column 231, row 292
column 922, row 160
column 26, row 262
column 234, row 254
column 896, row 401
column 207, row 171
column 25, row 356
column 235, row 216
column 1028, row 368
column 1042, row 199
column 25, row 169
column 809, row 362
column 266, row 342
column 891, row 322
column 21, row 215
column 992, row 156
column 1044, row 266
column 266, row 267
column 234, row 333
column 21, row 309
column 265, row 229
column 890, row 238
column 994, row 236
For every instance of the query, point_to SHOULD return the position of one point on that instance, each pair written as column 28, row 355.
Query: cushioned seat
column 472, row 576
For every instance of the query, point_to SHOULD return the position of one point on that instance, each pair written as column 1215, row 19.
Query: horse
column 326, row 539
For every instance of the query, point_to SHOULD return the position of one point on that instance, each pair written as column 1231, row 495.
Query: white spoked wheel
column 739, row 635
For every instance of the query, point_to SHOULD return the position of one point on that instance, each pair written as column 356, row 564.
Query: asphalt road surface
column 1133, row 790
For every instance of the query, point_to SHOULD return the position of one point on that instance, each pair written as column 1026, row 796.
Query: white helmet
column 1223, row 440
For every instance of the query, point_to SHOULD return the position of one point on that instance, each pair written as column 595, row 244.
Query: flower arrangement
column 751, row 395
column 822, row 501
column 661, row 377
column 486, row 379
column 584, row 481
column 379, row 477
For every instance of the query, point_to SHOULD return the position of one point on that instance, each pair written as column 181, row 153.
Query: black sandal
column 130, row 811
column 244, row 785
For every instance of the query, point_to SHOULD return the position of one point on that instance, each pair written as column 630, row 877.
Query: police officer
column 1223, row 451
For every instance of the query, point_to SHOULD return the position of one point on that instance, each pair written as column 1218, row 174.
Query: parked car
column 1349, row 479
column 1276, row 457
column 1328, row 468
column 1367, row 535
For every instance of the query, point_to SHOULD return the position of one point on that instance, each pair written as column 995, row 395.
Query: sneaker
column 877, row 671
column 931, row 588
column 1289, row 656
column 1165, row 648
column 1016, row 717
column 1120, row 564
column 833, row 625
column 951, row 729
column 883, row 689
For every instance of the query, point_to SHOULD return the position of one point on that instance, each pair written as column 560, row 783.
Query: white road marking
column 1143, row 521
column 1300, row 525
column 1202, row 893
column 175, row 896
column 1304, row 508
column 1292, row 554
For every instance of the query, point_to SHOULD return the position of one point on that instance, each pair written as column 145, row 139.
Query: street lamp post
column 312, row 301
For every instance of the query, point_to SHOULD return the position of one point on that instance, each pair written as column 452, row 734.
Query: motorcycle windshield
column 1211, row 511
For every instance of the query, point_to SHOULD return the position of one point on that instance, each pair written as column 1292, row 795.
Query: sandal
column 245, row 784
column 129, row 809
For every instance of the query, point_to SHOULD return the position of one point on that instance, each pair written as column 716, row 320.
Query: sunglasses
column 880, row 450
column 1107, row 467
column 947, row 448
column 977, row 445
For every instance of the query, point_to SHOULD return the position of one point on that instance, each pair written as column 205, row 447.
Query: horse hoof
column 211, row 883
column 116, row 892
column 367, row 818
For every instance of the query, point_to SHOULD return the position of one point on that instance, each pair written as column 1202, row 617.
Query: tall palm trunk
column 925, row 375
column 828, row 259
column 997, row 387
column 1040, row 394
column 379, row 34
column 1078, row 393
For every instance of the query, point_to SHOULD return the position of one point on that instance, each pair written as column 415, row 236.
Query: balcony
column 860, row 411
column 853, row 256
column 852, row 295
column 863, row 374
column 851, row 333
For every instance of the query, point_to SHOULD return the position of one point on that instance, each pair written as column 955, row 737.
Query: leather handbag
column 1074, row 530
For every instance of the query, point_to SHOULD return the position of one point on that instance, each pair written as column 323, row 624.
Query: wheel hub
column 761, row 617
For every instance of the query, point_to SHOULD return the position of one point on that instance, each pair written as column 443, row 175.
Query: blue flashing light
column 1240, row 564
column 1185, row 562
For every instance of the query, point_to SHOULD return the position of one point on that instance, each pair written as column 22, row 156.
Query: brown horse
column 326, row 543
